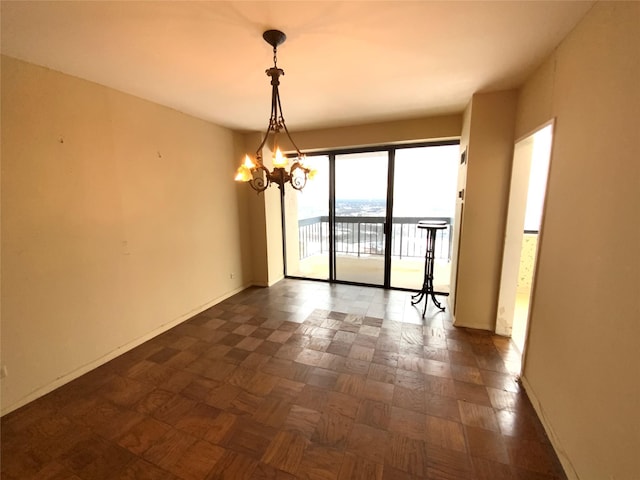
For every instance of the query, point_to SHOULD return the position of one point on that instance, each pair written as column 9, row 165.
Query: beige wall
column 256, row 220
column 115, row 224
column 489, row 140
column 274, row 235
column 582, row 365
column 266, row 225
column 413, row 130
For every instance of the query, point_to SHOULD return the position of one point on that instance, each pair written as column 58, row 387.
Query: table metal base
column 427, row 286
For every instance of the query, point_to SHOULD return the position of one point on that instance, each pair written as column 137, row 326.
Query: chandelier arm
column 272, row 121
column 286, row 130
column 296, row 181
column 264, row 140
column 258, row 183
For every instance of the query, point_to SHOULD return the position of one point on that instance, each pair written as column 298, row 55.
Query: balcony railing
column 365, row 236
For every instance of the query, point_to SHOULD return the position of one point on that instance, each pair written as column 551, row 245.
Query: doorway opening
column 524, row 220
column 355, row 222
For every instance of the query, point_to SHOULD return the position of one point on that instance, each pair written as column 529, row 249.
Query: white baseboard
column 66, row 378
column 555, row 441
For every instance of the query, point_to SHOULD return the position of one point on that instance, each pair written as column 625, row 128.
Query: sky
column 425, row 180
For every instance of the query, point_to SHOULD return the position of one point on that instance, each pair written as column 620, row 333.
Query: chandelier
column 253, row 170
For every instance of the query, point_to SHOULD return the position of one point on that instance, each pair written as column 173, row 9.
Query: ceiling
column 345, row 62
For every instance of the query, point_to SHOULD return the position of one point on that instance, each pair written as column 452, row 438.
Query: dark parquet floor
column 303, row 380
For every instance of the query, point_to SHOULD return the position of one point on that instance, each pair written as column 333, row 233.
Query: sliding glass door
column 425, row 186
column 360, row 216
column 356, row 221
column 307, row 224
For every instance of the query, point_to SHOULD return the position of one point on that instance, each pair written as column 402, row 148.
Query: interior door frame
column 552, row 124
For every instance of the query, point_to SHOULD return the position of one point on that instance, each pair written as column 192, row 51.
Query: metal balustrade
column 365, row 236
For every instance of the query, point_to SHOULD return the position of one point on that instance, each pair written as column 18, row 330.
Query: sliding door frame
column 388, row 225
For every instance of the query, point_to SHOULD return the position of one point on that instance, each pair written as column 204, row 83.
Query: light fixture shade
column 279, row 160
column 255, row 173
column 248, row 162
column 243, row 174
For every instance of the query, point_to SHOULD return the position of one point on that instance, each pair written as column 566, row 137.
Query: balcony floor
column 405, row 272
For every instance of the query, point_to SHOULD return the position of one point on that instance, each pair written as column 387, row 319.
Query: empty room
column 213, row 270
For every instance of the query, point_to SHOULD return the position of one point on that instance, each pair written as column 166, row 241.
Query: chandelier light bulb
column 279, row 160
column 248, row 162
